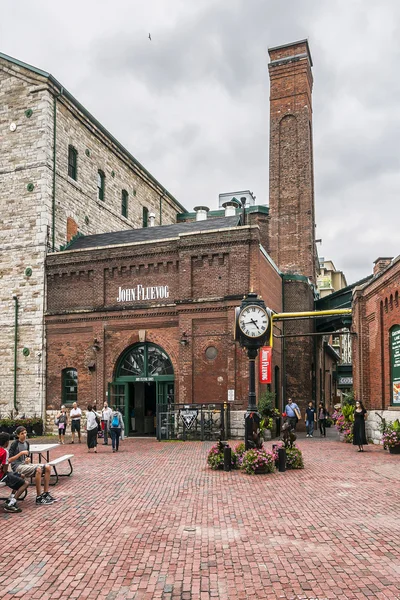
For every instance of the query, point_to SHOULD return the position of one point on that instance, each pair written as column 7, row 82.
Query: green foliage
column 294, row 458
column 266, row 404
column 240, row 449
column 349, row 399
column 348, row 412
column 215, row 458
column 257, row 461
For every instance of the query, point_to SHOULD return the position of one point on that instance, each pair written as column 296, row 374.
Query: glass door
column 118, row 396
column 165, row 392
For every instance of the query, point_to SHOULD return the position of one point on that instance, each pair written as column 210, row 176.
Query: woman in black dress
column 359, row 437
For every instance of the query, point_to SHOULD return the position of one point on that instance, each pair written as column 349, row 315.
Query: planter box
column 395, row 450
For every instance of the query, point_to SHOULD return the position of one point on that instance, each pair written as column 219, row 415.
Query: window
column 124, row 203
column 145, row 216
column 69, row 390
column 72, row 162
column 100, row 184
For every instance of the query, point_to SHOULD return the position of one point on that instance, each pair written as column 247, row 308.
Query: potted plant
column 391, row 437
column 268, row 412
column 258, row 461
column 215, row 458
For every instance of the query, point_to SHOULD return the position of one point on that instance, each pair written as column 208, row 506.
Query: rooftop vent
column 230, row 208
column 201, row 212
column 152, row 218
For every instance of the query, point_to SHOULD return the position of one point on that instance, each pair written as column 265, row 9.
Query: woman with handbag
column 92, row 427
column 61, row 421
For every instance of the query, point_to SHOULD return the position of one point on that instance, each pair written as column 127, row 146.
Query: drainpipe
column 284, row 399
column 15, row 298
column 161, row 199
column 53, row 216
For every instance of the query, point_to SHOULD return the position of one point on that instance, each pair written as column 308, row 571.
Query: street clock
column 252, row 322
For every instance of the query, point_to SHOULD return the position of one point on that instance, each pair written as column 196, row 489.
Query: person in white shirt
column 92, row 427
column 105, row 417
column 76, row 415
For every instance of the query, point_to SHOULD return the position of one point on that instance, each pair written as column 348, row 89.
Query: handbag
column 97, row 420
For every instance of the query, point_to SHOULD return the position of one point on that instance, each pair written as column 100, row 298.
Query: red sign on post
column 265, row 364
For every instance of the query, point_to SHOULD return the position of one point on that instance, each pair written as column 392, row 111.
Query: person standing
column 359, row 436
column 61, row 422
column 293, row 413
column 322, row 414
column 105, row 418
column 310, row 419
column 92, row 427
column 76, row 414
column 116, row 427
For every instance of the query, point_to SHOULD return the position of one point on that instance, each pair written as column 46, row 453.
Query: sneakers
column 42, row 499
column 307, row 435
column 12, row 508
column 50, row 497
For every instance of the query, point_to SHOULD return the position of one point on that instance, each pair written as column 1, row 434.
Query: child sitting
column 12, row 480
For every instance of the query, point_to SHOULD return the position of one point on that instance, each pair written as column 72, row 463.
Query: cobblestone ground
column 154, row 522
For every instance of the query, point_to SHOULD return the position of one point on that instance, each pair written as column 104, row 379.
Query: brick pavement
column 154, row 522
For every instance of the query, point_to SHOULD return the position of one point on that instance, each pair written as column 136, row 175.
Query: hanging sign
column 188, row 418
column 265, row 364
column 395, row 360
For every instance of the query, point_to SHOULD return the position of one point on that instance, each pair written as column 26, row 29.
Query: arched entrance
column 144, row 377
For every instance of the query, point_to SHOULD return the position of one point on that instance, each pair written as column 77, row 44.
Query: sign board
column 231, row 395
column 395, row 364
column 188, row 418
column 144, row 378
column 345, row 381
column 265, row 364
column 139, row 293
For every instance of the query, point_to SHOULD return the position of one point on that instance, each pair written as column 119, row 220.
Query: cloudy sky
column 192, row 104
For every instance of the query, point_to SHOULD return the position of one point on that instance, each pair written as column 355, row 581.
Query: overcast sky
column 192, row 104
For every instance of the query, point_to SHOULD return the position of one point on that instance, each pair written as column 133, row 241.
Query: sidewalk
column 153, row 521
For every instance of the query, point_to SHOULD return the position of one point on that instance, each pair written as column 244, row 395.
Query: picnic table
column 44, row 449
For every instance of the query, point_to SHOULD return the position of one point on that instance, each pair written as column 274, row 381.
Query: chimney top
column 290, row 51
column 230, row 208
column 201, row 212
column 381, row 263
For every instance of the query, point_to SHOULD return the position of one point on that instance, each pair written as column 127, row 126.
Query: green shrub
column 257, row 460
column 294, row 458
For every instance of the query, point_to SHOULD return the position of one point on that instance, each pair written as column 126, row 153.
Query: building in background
column 376, row 349
column 61, row 174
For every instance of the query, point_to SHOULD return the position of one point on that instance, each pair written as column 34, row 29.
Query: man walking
column 310, row 419
column 76, row 415
column 293, row 413
column 105, row 418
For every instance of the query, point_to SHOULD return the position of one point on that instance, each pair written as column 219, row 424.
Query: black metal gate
column 192, row 421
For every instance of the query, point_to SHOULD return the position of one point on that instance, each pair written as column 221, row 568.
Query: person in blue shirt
column 310, row 419
column 293, row 413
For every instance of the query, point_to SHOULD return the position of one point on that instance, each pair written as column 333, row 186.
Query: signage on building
column 345, row 381
column 265, row 364
column 395, row 363
column 231, row 395
column 188, row 417
column 141, row 293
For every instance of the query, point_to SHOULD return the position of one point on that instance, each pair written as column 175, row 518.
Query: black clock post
column 252, row 330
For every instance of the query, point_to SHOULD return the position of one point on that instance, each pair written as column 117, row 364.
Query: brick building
column 162, row 295
column 61, row 172
column 376, row 347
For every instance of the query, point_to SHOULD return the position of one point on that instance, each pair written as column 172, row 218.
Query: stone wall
column 26, row 198
column 374, row 421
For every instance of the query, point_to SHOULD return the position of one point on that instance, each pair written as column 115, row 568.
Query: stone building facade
column 42, row 207
column 376, row 347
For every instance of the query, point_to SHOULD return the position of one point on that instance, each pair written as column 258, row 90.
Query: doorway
column 142, row 403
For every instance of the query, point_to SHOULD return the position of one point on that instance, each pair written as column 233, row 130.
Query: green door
column 165, row 392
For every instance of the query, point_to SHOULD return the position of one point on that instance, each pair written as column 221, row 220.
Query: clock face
column 253, row 321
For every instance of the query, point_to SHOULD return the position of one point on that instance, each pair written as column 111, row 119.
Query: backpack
column 115, row 420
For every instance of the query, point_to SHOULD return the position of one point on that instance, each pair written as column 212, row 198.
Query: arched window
column 72, row 162
column 69, row 386
column 145, row 360
column 145, row 216
column 124, row 203
column 100, row 184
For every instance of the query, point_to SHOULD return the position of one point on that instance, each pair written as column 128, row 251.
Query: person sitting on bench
column 21, row 465
column 17, row 484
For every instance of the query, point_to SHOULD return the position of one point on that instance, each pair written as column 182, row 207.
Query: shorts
column 29, row 470
column 13, row 481
column 61, row 431
column 76, row 425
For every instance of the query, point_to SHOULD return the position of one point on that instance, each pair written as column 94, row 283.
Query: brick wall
column 207, row 275
column 291, row 201
column 375, row 311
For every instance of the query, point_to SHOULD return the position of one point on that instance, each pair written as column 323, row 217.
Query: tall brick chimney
column 291, row 176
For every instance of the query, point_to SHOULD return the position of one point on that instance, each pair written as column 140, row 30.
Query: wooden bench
column 57, row 461
column 3, row 484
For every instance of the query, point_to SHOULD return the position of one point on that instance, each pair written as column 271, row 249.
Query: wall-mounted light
column 96, row 345
column 184, row 341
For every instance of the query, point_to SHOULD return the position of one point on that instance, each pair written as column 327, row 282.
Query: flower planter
column 395, row 449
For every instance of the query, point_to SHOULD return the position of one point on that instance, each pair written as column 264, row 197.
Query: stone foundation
column 373, row 422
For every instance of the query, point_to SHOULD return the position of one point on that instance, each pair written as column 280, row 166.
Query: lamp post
column 252, row 329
